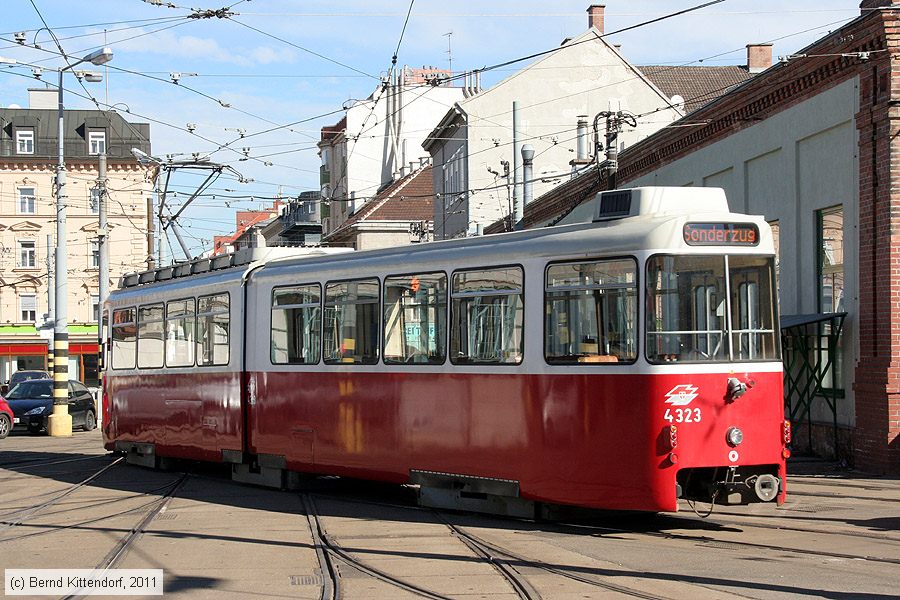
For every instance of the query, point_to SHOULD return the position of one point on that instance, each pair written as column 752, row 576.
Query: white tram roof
column 625, row 222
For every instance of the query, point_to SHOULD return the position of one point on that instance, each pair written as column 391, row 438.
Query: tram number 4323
column 682, row 415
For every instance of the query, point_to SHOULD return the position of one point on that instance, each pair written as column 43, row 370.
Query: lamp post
column 60, row 422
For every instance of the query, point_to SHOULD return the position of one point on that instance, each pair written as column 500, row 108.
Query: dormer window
column 24, row 141
column 96, row 142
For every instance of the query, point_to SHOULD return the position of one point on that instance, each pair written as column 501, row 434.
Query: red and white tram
column 622, row 363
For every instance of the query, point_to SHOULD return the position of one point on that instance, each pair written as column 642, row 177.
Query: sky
column 254, row 88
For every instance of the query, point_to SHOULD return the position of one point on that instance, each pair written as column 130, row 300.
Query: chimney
column 869, row 5
column 759, row 57
column 43, row 98
column 595, row 16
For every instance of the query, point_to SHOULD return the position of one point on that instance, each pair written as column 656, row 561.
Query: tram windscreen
column 711, row 309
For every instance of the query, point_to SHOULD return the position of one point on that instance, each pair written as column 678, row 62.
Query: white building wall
column 787, row 167
column 371, row 159
column 585, row 78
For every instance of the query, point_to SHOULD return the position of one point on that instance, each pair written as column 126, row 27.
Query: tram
column 622, row 363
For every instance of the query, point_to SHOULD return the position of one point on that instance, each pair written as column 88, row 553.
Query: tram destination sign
column 721, row 234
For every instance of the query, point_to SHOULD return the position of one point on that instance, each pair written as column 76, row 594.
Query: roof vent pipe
column 528, row 174
column 583, row 142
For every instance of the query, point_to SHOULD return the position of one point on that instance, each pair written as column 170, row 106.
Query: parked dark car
column 32, row 404
column 6, row 418
column 20, row 376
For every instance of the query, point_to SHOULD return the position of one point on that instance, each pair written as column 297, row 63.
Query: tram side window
column 213, row 330
column 296, row 325
column 752, row 309
column 351, row 322
column 150, row 337
column 686, row 320
column 180, row 333
column 415, row 319
column 124, row 339
column 591, row 311
column 487, row 316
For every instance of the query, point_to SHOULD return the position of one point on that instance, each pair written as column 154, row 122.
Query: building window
column 776, row 240
column 26, row 201
column 830, row 280
column 27, row 258
column 28, row 306
column 95, row 254
column 96, row 142
column 25, row 141
column 95, row 307
column 94, row 203
column 830, row 229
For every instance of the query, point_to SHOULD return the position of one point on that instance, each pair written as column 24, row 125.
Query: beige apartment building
column 28, row 159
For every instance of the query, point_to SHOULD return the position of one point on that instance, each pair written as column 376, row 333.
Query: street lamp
column 60, row 422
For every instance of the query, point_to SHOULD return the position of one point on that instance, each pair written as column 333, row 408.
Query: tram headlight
column 734, row 436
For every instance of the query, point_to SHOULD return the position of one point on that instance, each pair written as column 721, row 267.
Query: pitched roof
column 410, row 198
column 697, row 85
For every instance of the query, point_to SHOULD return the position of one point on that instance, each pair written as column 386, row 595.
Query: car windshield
column 20, row 376
column 35, row 388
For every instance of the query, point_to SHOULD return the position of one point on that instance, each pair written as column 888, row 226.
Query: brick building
column 813, row 143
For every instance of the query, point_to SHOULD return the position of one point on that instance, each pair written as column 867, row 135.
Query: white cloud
column 194, row 48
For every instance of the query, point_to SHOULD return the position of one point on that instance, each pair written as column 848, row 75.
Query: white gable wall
column 581, row 78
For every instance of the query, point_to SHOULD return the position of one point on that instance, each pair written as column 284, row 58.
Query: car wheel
column 90, row 421
column 4, row 425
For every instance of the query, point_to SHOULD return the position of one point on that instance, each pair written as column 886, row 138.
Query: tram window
column 213, row 330
column 351, row 322
column 487, row 316
column 415, row 319
column 124, row 339
column 692, row 319
column 752, row 308
column 150, row 337
column 591, row 311
column 296, row 325
column 180, row 333
column 686, row 320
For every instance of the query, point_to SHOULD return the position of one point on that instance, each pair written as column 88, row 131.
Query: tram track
column 502, row 559
column 325, row 546
column 16, row 518
column 36, row 463
column 120, row 550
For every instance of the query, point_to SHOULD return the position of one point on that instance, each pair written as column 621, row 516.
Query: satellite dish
column 13, row 106
column 677, row 101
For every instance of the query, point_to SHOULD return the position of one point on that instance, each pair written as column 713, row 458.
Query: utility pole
column 102, row 235
column 518, row 210
column 51, row 299
column 614, row 122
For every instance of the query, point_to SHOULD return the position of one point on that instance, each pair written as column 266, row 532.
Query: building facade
column 473, row 150
column 28, row 162
column 379, row 140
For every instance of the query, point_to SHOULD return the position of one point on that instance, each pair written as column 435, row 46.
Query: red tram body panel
column 624, row 364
